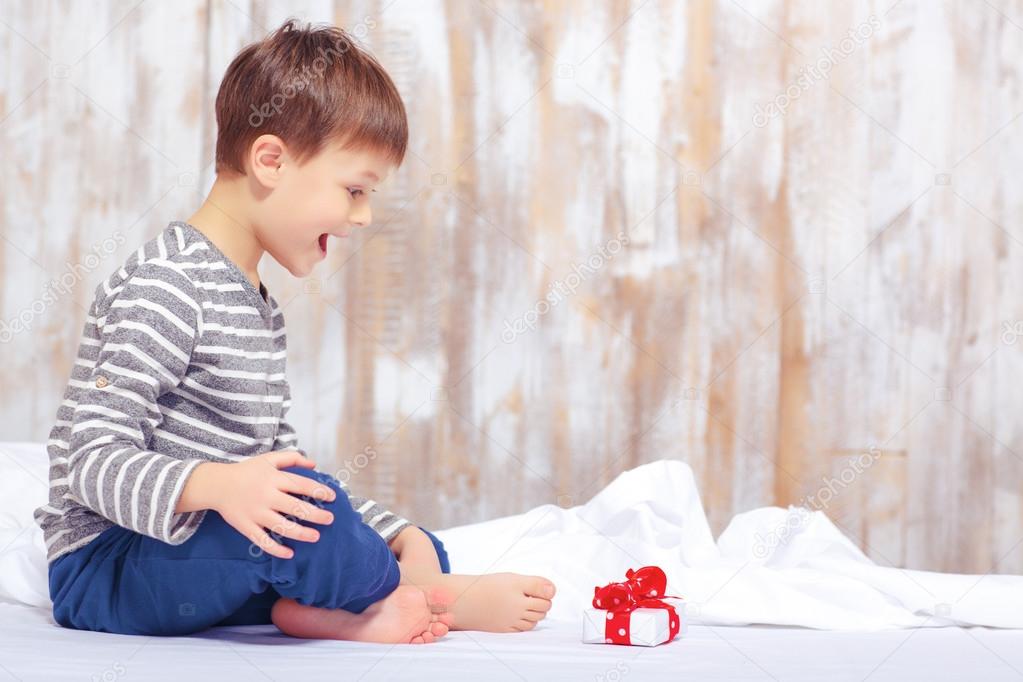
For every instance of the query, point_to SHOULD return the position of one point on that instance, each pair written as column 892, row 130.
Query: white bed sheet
column 33, row 648
column 872, row 622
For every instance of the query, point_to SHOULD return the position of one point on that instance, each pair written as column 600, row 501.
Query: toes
column 439, row 629
column 418, row 640
column 522, row 625
column 533, row 616
column 540, row 587
column 537, row 604
column 428, row 637
column 447, row 618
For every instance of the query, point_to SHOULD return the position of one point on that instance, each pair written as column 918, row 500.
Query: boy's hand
column 251, row 493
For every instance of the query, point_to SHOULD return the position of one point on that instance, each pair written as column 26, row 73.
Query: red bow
column 643, row 589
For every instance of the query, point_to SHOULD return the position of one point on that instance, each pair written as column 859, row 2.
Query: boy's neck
column 224, row 223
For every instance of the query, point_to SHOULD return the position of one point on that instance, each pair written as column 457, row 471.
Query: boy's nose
column 361, row 218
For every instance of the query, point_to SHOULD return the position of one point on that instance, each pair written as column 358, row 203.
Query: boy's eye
column 356, row 192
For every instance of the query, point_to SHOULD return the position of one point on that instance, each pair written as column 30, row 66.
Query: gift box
column 635, row 612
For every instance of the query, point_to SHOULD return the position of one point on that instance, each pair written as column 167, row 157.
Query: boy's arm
column 386, row 523
column 146, row 337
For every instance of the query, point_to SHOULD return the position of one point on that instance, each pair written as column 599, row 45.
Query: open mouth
column 323, row 244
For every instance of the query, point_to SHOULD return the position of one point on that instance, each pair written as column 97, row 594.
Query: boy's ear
column 266, row 156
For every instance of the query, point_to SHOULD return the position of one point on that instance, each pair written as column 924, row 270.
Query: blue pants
column 129, row 583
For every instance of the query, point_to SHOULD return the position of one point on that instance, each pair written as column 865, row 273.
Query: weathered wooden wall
column 812, row 303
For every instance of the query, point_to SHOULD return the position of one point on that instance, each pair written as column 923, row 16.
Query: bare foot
column 404, row 616
column 495, row 602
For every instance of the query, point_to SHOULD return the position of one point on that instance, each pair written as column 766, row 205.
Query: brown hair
column 308, row 85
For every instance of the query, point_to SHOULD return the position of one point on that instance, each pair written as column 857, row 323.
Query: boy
column 177, row 484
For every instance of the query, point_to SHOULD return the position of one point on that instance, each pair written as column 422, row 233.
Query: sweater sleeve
column 386, row 523
column 147, row 330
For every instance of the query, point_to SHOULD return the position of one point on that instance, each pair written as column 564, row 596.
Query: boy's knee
column 347, row 530
column 350, row 566
column 346, row 518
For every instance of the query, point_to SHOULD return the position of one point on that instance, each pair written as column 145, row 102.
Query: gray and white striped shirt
column 181, row 362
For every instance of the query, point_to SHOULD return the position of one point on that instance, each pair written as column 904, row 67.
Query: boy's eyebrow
column 371, row 175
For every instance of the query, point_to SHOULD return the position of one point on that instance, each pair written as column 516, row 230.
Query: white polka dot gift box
column 635, row 611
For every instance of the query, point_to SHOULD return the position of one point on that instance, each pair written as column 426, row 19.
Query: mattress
column 33, row 648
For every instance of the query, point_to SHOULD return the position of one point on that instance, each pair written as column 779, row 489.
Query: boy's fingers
column 301, row 485
column 261, row 539
column 290, row 529
column 283, row 459
column 289, row 504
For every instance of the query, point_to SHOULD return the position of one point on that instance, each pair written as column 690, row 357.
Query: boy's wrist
column 197, row 493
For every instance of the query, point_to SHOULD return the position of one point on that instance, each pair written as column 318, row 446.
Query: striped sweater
column 181, row 362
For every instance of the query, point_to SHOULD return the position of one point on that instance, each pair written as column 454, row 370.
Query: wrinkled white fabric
column 770, row 565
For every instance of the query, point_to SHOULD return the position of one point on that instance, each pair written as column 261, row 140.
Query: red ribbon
column 643, row 589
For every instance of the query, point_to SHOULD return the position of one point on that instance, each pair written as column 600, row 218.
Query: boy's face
column 306, row 206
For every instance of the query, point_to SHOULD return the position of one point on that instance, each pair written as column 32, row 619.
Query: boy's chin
column 298, row 267
column 303, row 271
